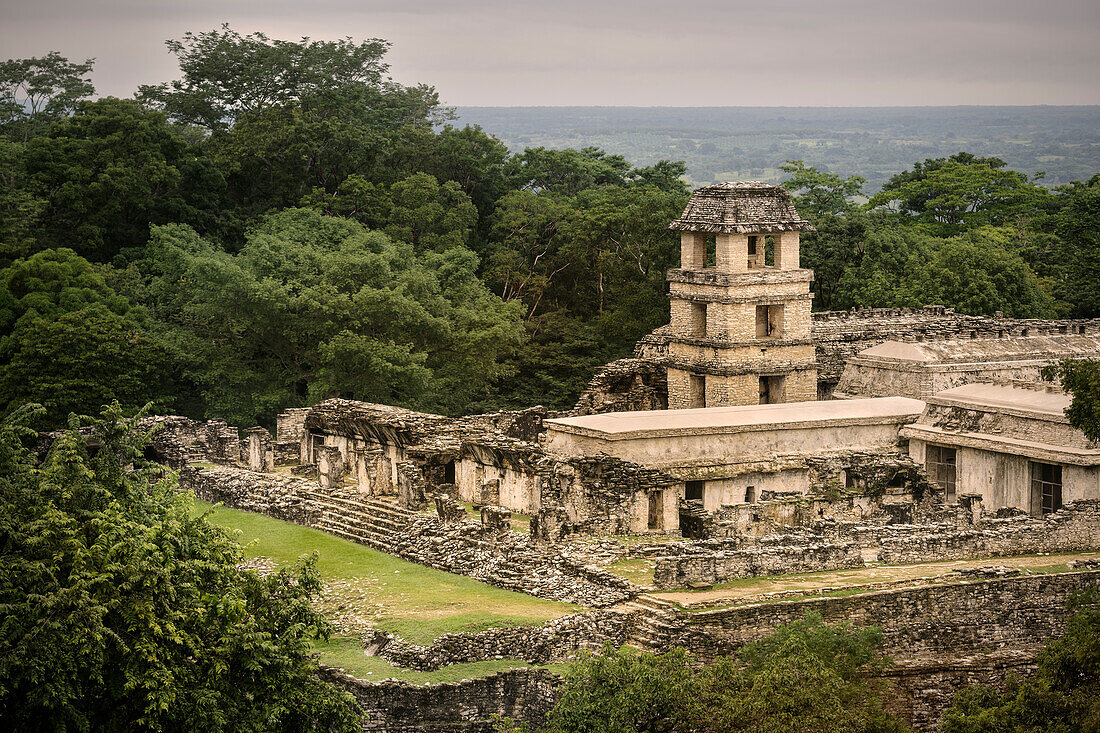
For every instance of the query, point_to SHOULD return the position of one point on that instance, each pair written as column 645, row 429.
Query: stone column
column 693, row 250
column 732, row 253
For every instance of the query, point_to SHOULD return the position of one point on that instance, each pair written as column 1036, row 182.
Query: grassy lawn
column 348, row 655
column 368, row 588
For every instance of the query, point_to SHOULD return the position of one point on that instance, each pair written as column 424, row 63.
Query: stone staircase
column 368, row 520
column 655, row 620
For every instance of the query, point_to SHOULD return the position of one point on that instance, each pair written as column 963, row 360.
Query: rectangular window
column 698, row 319
column 769, row 251
column 712, row 251
column 449, row 472
column 697, row 384
column 769, row 321
column 693, row 490
column 771, row 389
column 939, row 463
column 750, row 494
column 1046, row 487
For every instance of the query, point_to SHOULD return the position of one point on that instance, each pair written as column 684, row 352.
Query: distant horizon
column 760, row 106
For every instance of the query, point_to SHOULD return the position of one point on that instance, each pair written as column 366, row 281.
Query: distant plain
column 737, row 143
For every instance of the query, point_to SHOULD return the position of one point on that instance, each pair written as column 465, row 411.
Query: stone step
column 354, row 537
column 384, row 524
column 332, row 525
column 370, row 505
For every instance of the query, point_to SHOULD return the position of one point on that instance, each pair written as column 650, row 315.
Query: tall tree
column 110, row 171
column 124, row 611
column 317, row 306
column 820, row 193
column 37, row 91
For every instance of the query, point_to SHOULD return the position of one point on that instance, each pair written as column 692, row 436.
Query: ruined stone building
column 740, row 302
column 1009, row 443
column 735, row 455
column 923, row 369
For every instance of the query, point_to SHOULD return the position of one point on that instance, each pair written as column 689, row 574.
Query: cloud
column 639, row 52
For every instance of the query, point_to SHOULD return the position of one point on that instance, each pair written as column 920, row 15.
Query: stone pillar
column 496, row 519
column 732, row 253
column 448, row 508
column 261, row 450
column 786, row 250
column 330, row 467
column 693, row 250
column 550, row 524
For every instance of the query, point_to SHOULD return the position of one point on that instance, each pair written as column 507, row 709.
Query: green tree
column 37, row 91
column 1062, row 697
column 1081, row 379
column 430, row 216
column 293, row 119
column 123, row 611
column 49, row 284
column 949, row 196
column 978, row 278
column 82, row 360
column 820, row 193
column 20, row 205
column 317, row 306
column 110, row 171
column 1078, row 227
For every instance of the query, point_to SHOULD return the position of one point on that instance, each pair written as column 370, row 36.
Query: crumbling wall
column 558, row 640
column 507, row 560
column 954, row 619
column 469, row 706
column 1074, row 528
column 290, row 427
column 486, row 552
column 840, row 335
column 625, row 385
column 180, row 440
column 682, row 571
column 281, row 497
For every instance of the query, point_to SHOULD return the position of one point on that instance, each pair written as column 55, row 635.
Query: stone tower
column 740, row 326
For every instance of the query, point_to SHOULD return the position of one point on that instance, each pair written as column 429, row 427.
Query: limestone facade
column 1012, row 444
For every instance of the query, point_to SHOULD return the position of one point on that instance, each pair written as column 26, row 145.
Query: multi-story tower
column 740, row 327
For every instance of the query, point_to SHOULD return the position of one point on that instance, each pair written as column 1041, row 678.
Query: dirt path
column 749, row 587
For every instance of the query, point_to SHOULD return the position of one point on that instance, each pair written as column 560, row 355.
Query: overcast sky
column 627, row 52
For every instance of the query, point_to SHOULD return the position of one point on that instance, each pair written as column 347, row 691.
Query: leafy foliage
column 1081, row 379
column 37, row 91
column 122, row 611
column 808, row 675
column 316, row 306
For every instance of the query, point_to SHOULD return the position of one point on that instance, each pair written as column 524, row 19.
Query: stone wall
column 682, row 571
column 624, row 385
column 955, row 619
column 558, row 640
column 508, row 560
column 281, row 497
column 1074, row 528
column 290, row 426
column 839, row 335
column 180, row 440
column 525, row 695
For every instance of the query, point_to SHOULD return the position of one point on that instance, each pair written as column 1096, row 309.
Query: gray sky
column 627, row 52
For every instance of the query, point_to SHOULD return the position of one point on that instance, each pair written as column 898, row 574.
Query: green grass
column 636, row 569
column 348, row 655
column 411, row 600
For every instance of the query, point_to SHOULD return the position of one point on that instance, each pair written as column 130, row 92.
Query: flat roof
column 621, row 425
column 963, row 350
column 1051, row 402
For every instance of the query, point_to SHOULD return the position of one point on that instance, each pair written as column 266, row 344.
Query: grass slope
column 411, row 600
